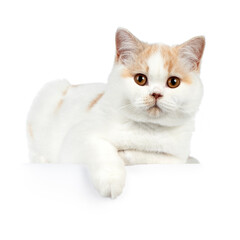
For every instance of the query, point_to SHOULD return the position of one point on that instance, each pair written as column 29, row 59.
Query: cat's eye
column 173, row 82
column 140, row 79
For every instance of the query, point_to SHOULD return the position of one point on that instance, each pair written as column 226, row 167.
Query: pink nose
column 157, row 95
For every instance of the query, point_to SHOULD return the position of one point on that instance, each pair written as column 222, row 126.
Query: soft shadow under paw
column 192, row 160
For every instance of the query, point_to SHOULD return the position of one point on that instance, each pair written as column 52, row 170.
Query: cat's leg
column 132, row 157
column 106, row 167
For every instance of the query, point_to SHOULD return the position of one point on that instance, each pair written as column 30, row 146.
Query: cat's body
column 122, row 122
column 73, row 110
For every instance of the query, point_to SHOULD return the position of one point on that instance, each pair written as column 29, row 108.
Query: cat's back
column 57, row 107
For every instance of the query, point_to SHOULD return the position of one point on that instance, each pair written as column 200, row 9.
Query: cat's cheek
column 130, row 91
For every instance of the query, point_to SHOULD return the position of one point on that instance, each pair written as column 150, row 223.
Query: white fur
column 118, row 129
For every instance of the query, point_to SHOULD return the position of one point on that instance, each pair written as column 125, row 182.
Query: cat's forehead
column 156, row 64
column 156, row 59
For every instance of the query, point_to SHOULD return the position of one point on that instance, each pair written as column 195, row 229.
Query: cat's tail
column 40, row 122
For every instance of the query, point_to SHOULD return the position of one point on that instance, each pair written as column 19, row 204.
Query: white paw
column 109, row 181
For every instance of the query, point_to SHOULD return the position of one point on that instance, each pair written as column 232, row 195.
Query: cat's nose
column 156, row 95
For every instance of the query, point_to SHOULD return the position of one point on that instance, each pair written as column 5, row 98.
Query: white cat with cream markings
column 144, row 114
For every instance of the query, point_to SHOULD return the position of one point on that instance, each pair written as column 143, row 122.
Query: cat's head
column 157, row 83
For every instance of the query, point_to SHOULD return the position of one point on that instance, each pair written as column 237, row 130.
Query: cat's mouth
column 154, row 110
column 155, row 106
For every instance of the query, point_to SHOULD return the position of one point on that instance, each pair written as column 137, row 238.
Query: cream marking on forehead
column 156, row 66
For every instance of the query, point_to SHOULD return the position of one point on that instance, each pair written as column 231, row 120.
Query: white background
column 47, row 40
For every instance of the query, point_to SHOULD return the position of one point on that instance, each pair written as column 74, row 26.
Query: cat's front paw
column 109, row 181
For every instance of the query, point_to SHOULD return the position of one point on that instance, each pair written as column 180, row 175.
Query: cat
column 144, row 114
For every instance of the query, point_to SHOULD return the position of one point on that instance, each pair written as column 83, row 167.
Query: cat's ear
column 127, row 46
column 191, row 52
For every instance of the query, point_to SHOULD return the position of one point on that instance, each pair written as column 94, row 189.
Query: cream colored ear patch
column 170, row 57
column 172, row 64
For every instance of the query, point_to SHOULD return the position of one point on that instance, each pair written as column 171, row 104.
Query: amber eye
column 140, row 79
column 173, row 82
